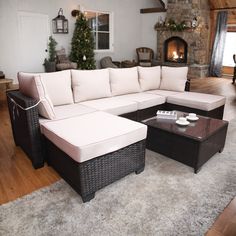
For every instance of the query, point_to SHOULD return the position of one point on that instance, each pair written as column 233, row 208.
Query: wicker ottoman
column 94, row 150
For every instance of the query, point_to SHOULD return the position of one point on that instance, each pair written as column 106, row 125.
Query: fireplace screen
column 175, row 50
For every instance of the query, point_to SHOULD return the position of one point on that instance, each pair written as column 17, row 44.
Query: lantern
column 60, row 23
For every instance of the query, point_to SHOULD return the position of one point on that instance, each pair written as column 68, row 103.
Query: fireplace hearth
column 196, row 54
column 175, row 50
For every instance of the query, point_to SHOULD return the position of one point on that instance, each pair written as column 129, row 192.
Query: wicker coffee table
column 192, row 145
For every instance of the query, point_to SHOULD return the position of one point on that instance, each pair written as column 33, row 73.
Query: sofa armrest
column 25, row 126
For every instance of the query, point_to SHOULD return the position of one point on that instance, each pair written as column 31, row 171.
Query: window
column 230, row 49
column 101, row 25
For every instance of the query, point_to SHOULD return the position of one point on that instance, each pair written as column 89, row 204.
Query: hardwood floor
column 18, row 178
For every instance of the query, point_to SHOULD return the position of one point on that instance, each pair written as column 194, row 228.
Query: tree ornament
column 84, row 58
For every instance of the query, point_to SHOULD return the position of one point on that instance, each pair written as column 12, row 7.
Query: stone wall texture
column 197, row 39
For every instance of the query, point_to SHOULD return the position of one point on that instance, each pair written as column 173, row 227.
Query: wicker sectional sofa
column 77, row 120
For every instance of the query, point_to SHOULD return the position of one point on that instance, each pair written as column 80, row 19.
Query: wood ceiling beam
column 155, row 9
column 223, row 8
column 152, row 10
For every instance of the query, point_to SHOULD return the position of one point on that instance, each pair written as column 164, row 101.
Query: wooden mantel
column 154, row 9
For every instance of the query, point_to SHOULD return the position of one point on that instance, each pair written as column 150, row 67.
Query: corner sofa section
column 135, row 93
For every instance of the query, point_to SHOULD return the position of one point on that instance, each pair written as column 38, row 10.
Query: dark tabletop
column 200, row 129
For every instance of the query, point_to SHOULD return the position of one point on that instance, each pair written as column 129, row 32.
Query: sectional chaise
column 77, row 120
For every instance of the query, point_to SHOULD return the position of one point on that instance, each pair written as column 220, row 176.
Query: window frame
column 231, row 28
column 111, row 32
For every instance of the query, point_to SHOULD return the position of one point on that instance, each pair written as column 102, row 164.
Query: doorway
column 33, row 32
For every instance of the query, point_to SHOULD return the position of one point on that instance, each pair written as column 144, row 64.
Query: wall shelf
column 152, row 10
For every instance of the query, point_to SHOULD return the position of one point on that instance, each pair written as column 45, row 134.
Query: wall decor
column 60, row 23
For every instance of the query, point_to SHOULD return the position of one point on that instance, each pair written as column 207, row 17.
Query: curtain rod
column 225, row 8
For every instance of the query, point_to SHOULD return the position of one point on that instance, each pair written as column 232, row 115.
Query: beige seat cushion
column 144, row 100
column 94, row 134
column 164, row 93
column 113, row 105
column 71, row 110
column 202, row 101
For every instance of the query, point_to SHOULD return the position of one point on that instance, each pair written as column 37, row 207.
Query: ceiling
column 229, row 5
column 215, row 4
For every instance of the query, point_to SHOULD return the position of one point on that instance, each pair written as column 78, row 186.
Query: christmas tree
column 82, row 45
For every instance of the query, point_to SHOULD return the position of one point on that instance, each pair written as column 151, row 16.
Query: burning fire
column 176, row 56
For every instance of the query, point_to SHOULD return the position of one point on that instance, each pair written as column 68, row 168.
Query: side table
column 7, row 83
column 128, row 64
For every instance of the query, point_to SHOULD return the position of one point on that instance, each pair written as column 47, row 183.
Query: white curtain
column 219, row 44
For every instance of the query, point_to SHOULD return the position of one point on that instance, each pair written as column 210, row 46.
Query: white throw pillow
column 174, row 78
column 58, row 86
column 90, row 84
column 31, row 86
column 124, row 81
column 149, row 77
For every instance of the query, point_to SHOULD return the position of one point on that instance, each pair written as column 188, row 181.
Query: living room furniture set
column 86, row 124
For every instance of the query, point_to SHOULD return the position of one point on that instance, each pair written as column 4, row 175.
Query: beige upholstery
column 164, row 93
column 90, row 84
column 124, row 81
column 67, row 111
column 173, row 78
column 113, row 105
column 202, row 101
column 94, row 134
column 149, row 77
column 144, row 100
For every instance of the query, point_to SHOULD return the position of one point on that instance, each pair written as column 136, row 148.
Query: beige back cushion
column 32, row 86
column 90, row 84
column 149, row 77
column 174, row 78
column 58, row 86
column 124, row 81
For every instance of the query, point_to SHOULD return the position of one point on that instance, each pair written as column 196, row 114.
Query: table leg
column 234, row 77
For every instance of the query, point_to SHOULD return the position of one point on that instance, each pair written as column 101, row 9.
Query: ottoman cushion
column 94, row 134
column 202, row 101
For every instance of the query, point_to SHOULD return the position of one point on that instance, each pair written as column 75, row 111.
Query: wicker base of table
column 89, row 176
column 186, row 150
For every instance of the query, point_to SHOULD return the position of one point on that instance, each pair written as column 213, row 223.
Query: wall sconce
column 60, row 23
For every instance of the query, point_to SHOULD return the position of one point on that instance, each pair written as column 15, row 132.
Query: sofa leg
column 139, row 170
column 88, row 197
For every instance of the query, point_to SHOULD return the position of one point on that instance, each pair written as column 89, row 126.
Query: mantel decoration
column 174, row 26
column 60, row 23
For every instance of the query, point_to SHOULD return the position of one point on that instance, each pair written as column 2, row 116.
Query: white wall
column 148, row 33
column 131, row 29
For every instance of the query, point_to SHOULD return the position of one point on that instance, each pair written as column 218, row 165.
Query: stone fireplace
column 175, row 50
column 192, row 45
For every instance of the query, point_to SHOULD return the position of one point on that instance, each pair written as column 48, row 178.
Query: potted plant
column 50, row 63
